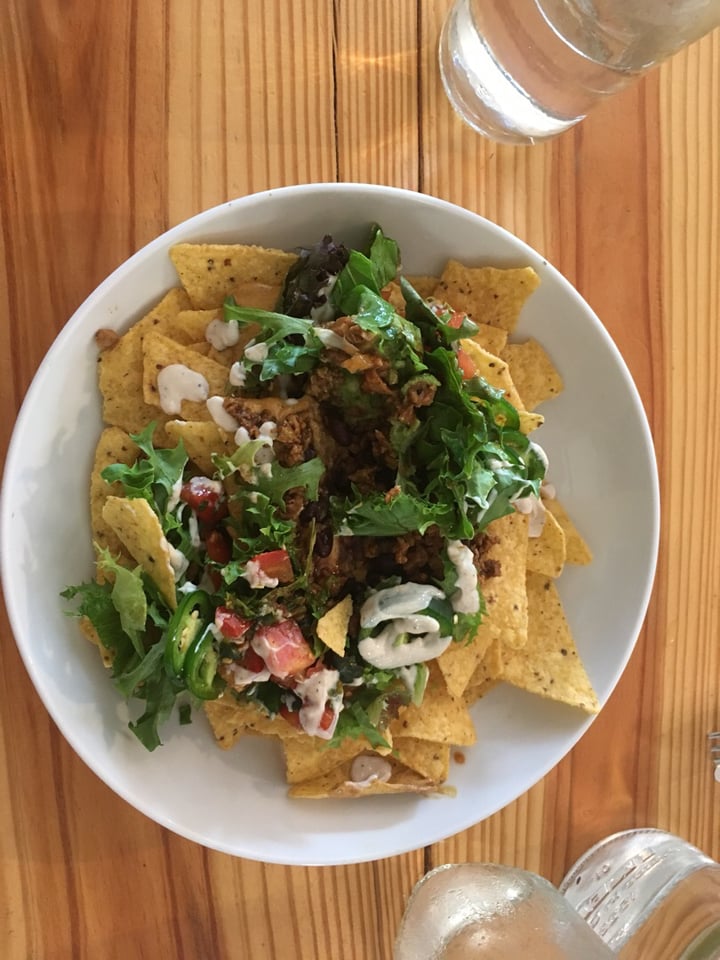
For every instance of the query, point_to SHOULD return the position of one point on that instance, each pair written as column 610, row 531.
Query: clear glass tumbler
column 476, row 910
column 521, row 71
column 649, row 894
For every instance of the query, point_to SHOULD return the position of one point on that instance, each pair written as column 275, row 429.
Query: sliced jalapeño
column 200, row 670
column 189, row 622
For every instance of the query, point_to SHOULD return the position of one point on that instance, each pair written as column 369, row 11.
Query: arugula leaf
column 374, row 516
column 384, row 256
column 129, row 682
column 159, row 693
column 371, row 272
column 128, row 597
column 292, row 345
column 154, row 478
column 282, row 479
column 353, row 723
column 436, row 329
column 97, row 605
column 396, row 339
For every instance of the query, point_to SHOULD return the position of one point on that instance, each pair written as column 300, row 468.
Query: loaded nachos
column 318, row 511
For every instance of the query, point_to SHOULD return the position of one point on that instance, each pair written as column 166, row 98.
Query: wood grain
column 120, row 119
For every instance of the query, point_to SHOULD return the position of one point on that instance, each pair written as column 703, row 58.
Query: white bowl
column 603, row 465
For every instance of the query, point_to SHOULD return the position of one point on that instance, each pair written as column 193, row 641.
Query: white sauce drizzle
column 466, row 598
column 315, row 692
column 366, row 770
column 221, row 334
column 222, row 418
column 176, row 383
column 534, row 509
column 333, row 341
column 256, row 577
column 237, row 375
column 241, row 677
column 256, row 352
column 397, row 601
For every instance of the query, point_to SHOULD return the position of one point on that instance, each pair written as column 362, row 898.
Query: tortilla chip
column 231, row 719
column 431, row 760
column 497, row 374
column 505, row 596
column 546, row 553
column 89, row 631
column 120, row 371
column 337, row 783
column 477, row 691
column 489, row 669
column 441, row 718
column 189, row 326
column 332, row 626
column 533, row 372
column 576, row 549
column 424, row 285
column 201, row 438
column 307, row 758
column 492, row 339
column 210, row 272
column 549, row 665
column 159, row 352
column 487, row 294
column 138, row 527
column 114, row 446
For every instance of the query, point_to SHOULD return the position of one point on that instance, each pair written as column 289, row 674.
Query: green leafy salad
column 317, row 539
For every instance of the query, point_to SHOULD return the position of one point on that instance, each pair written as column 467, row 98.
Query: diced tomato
column 467, row 367
column 218, row 547
column 327, row 718
column 456, row 319
column 252, row 662
column 204, row 497
column 276, row 564
column 293, row 717
column 230, row 624
column 283, row 648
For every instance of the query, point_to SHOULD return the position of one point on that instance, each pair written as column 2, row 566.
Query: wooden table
column 119, row 119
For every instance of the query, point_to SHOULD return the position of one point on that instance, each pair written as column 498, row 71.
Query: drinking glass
column 521, row 71
column 475, row 910
column 648, row 893
column 638, row 895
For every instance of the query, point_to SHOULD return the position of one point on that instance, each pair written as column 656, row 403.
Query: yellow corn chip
column 489, row 669
column 210, row 272
column 138, row 527
column 309, row 757
column 441, row 718
column 533, row 372
column 337, row 783
column 576, row 550
column 487, row 294
column 89, row 631
column 546, row 553
column 497, row 374
column 189, row 326
column 549, row 664
column 114, row 446
column 505, row 595
column 431, row 760
column 120, row 371
column 423, row 285
column 492, row 339
column 477, row 691
column 160, row 352
column 231, row 719
column 332, row 626
column 202, row 438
